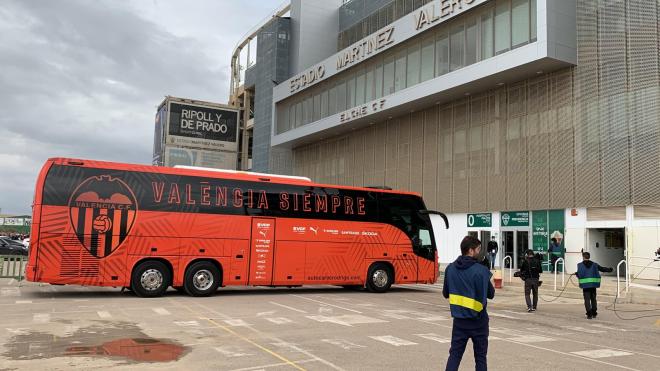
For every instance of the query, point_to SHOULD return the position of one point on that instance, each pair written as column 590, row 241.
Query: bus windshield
column 405, row 212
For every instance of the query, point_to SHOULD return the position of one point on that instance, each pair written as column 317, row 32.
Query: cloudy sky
column 83, row 78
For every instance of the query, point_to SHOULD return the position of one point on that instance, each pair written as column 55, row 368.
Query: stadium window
column 519, row 22
column 457, row 47
column 487, row 34
column 428, row 60
column 502, row 26
column 442, row 54
column 412, row 76
column 400, row 70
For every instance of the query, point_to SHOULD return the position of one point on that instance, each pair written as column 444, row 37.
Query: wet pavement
column 45, row 327
column 118, row 340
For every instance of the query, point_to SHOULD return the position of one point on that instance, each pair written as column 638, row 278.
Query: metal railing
column 563, row 269
column 618, row 277
column 13, row 266
column 510, row 266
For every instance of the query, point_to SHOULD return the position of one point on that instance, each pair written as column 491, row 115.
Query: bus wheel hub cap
column 203, row 279
column 380, row 278
column 151, row 279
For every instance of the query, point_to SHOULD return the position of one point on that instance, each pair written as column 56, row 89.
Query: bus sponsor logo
column 102, row 211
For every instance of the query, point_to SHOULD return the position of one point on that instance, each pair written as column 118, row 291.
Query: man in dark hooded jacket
column 467, row 286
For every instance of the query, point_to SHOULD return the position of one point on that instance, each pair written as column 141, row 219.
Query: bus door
column 262, row 243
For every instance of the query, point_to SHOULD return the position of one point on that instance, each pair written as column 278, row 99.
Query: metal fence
column 13, row 266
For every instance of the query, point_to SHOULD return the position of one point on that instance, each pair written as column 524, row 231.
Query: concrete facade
column 568, row 122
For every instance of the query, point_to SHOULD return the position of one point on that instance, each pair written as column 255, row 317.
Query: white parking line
column 232, row 351
column 302, row 351
column 236, row 322
column 344, row 344
column 570, row 354
column 435, row 337
column 531, row 339
column 41, row 318
column 272, row 365
column 23, row 301
column 582, row 329
column 328, row 304
column 187, row 323
column 347, row 319
column 602, row 353
column 104, row 314
column 161, row 311
column 425, row 303
column 393, row 340
column 288, row 307
column 279, row 320
column 495, row 314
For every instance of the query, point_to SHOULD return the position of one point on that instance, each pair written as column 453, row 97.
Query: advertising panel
column 515, row 218
column 479, row 220
column 198, row 126
column 197, row 157
column 16, row 221
column 160, row 122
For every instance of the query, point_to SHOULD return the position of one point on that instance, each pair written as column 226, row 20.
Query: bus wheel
column 379, row 278
column 202, row 279
column 150, row 279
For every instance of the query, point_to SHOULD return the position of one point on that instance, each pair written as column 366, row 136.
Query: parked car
column 11, row 247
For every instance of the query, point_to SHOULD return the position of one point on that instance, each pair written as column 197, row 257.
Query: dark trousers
column 462, row 330
column 590, row 300
column 553, row 260
column 532, row 284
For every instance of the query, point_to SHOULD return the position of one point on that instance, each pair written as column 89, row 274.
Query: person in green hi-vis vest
column 588, row 274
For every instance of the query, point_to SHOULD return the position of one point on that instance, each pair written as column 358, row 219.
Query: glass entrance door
column 522, row 244
column 507, row 247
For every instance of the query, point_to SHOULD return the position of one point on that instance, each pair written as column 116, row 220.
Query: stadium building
column 522, row 120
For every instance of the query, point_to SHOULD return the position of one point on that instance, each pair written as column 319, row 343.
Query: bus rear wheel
column 379, row 278
column 150, row 279
column 202, row 279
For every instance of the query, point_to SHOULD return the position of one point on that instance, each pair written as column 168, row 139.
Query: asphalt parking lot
column 47, row 327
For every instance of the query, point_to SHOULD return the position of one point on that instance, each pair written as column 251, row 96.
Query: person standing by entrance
column 467, row 286
column 492, row 251
column 588, row 274
column 555, row 253
column 530, row 272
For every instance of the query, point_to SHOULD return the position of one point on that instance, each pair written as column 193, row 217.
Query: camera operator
column 530, row 272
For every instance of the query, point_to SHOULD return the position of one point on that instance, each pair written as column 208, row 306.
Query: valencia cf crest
column 102, row 211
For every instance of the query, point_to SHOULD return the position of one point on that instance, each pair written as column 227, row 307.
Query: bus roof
column 213, row 173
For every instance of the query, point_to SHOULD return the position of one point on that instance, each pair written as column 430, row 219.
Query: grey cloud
column 82, row 79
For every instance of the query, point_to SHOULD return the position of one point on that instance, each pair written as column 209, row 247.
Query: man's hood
column 587, row 263
column 464, row 262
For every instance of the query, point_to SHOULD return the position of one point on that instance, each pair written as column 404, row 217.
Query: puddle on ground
column 118, row 340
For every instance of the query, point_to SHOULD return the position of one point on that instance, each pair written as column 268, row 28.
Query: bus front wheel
column 150, row 279
column 202, row 279
column 380, row 277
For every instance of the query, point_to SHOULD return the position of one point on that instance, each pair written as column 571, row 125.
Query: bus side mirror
column 443, row 216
